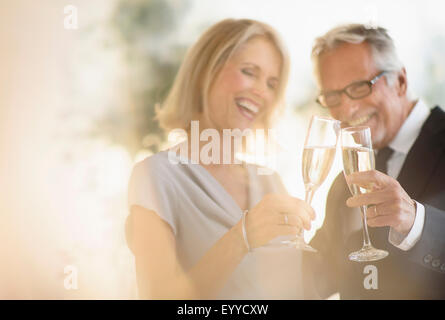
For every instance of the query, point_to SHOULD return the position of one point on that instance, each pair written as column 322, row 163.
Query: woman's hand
column 267, row 220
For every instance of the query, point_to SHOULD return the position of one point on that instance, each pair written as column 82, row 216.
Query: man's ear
column 402, row 83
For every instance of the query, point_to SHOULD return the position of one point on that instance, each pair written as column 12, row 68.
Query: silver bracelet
column 244, row 230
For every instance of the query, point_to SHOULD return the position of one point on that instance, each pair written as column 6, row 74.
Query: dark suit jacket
column 418, row 273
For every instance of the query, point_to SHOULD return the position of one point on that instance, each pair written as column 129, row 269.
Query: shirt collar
column 410, row 129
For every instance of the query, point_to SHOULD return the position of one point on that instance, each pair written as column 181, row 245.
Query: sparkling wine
column 317, row 162
column 358, row 156
column 357, row 159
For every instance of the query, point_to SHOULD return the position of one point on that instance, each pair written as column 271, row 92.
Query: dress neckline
column 246, row 166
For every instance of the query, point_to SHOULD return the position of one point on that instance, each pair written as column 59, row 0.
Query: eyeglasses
column 355, row 90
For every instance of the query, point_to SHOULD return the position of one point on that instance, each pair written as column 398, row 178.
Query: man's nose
column 346, row 109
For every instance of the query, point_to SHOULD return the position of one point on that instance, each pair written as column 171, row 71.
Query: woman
column 185, row 227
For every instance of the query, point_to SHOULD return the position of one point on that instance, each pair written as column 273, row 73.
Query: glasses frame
column 370, row 84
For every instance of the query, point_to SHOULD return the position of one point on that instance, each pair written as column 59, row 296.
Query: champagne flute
column 318, row 155
column 358, row 155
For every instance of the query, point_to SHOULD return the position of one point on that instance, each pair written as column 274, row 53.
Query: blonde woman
column 200, row 230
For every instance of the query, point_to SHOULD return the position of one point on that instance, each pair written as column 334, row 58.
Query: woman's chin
column 243, row 126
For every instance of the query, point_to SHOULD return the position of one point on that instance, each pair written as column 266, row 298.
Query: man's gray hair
column 381, row 44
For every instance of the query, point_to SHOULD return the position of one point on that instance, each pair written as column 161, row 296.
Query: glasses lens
column 358, row 90
column 329, row 99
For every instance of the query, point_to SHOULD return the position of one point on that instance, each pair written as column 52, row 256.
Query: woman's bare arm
column 159, row 273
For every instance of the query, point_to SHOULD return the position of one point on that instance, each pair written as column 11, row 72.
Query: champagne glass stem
column 366, row 239
column 309, row 195
column 308, row 199
column 299, row 242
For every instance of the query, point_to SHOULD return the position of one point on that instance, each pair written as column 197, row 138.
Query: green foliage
column 144, row 31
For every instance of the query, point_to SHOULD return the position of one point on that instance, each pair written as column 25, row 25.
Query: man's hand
column 390, row 204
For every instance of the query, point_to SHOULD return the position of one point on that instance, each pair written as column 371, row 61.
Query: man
column 363, row 83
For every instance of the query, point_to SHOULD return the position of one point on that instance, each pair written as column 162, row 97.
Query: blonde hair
column 201, row 65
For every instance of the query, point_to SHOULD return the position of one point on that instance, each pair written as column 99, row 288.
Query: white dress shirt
column 401, row 145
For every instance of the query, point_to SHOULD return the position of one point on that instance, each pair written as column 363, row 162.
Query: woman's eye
column 272, row 85
column 248, row 72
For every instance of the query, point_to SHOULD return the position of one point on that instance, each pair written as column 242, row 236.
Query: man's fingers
column 381, row 221
column 369, row 179
column 378, row 210
column 375, row 197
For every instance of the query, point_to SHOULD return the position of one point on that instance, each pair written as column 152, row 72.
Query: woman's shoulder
column 155, row 167
column 159, row 160
column 154, row 175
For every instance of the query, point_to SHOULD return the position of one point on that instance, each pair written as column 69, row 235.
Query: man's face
column 383, row 110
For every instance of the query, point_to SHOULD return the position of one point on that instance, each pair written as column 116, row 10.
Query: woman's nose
column 260, row 88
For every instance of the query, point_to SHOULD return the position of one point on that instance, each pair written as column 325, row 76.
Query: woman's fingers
column 306, row 207
column 280, row 230
column 284, row 219
column 277, row 215
column 294, row 206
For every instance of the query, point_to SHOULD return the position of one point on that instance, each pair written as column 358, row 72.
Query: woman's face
column 246, row 87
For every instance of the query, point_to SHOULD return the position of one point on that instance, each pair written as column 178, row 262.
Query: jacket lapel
column 423, row 157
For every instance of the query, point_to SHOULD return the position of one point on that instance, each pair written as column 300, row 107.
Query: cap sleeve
column 150, row 188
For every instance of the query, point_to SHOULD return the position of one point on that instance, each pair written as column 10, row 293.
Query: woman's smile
column 247, row 107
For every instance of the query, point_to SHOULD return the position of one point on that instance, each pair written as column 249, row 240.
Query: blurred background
column 78, row 83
